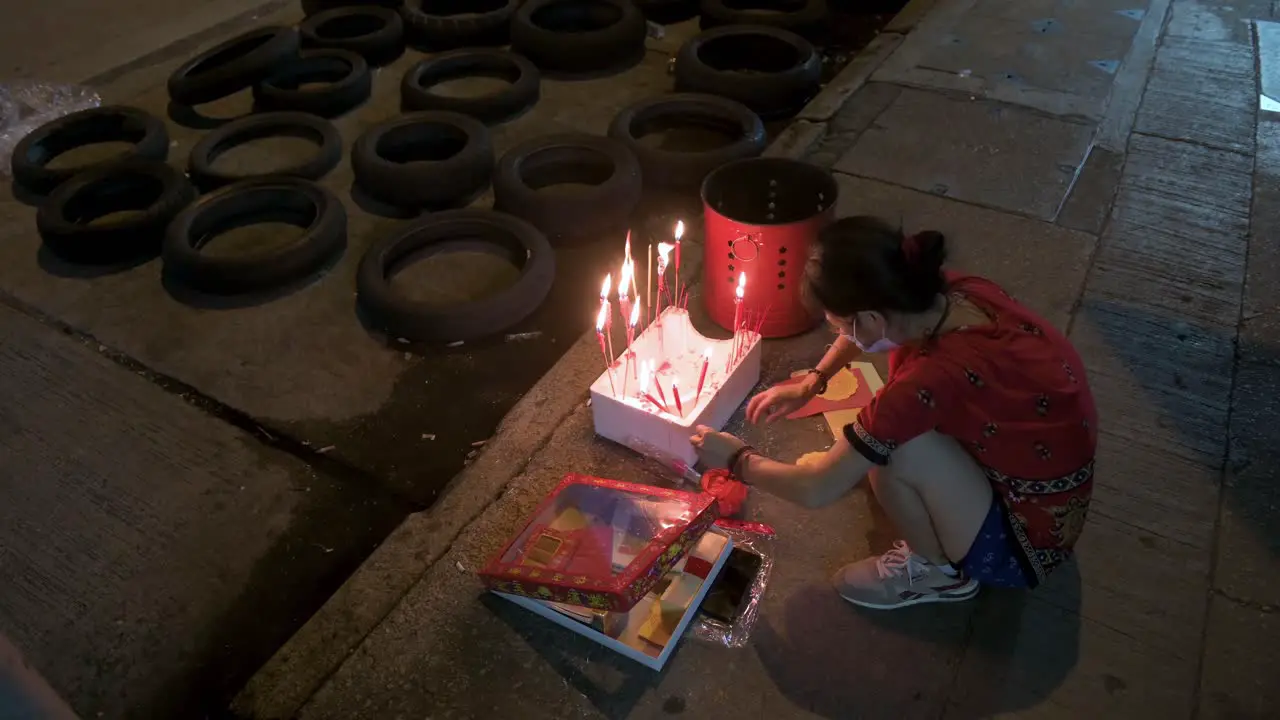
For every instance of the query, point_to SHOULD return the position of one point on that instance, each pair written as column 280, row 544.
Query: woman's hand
column 714, row 448
column 780, row 400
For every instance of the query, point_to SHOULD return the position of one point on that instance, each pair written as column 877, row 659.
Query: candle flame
column 627, row 249
column 742, row 285
column 707, row 353
column 679, row 233
column 644, row 377
column 625, row 279
column 601, row 317
column 635, row 313
column 674, row 382
column 604, row 288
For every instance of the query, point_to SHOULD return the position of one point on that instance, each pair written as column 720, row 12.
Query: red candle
column 702, row 376
column 600, row 319
column 675, row 393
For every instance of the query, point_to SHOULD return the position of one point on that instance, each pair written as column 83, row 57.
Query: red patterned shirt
column 1013, row 392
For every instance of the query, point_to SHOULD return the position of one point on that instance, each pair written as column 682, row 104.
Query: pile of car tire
column 436, row 157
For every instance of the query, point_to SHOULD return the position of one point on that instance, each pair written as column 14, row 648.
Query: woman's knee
column 930, row 458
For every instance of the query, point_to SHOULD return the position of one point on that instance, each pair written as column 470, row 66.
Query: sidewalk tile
column 988, row 153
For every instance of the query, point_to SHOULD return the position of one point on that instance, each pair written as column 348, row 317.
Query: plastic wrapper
column 26, row 105
column 749, row 537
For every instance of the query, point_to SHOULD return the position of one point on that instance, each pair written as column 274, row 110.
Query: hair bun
column 930, row 251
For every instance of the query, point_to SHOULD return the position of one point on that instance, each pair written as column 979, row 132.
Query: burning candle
column 664, row 258
column 675, row 393
column 679, row 233
column 624, row 291
column 607, row 314
column 702, row 376
column 608, row 363
column 738, row 293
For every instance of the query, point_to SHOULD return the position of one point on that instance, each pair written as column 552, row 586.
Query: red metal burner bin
column 762, row 214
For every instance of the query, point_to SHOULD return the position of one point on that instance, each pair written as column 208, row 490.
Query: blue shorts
column 994, row 558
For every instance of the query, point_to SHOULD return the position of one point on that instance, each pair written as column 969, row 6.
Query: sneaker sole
column 926, row 598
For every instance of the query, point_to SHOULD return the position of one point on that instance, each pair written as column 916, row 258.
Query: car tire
column 232, row 66
column 809, row 19
column 113, row 123
column 667, row 12
column 346, row 75
column 266, row 199
column 253, row 127
column 579, row 36
column 315, row 7
column 464, row 25
column 457, row 164
column 374, row 33
column 605, row 165
column 779, row 70
column 679, row 171
column 69, row 220
column 511, row 101
column 402, row 317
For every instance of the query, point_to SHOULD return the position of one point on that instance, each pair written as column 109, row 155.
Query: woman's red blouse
column 1013, row 392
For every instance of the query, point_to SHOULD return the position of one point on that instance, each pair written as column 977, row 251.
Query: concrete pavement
column 1109, row 164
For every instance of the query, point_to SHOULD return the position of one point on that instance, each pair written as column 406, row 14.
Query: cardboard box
column 650, row 631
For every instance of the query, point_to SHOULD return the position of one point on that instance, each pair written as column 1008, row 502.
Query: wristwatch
column 822, row 380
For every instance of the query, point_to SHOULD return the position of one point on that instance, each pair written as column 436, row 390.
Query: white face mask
column 883, row 345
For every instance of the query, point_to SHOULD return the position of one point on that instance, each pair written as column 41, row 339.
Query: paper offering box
column 600, row 544
column 627, row 414
column 649, row 632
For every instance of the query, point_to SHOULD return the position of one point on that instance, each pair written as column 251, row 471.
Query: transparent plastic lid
column 598, row 532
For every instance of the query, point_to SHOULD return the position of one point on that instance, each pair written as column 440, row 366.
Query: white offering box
column 676, row 350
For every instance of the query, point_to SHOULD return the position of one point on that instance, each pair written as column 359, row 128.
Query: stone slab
column 1178, row 236
column 1260, row 317
column 987, row 153
column 998, row 51
column 1089, row 203
column 1219, row 21
column 1031, row 659
column 1248, row 566
column 1019, row 253
column 71, row 41
column 1054, row 53
column 1160, row 383
column 1148, row 587
column 1203, row 92
column 302, row 364
column 1240, row 659
column 152, row 556
column 1155, row 492
column 854, row 118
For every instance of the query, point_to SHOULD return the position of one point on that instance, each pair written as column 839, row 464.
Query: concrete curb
column 299, row 668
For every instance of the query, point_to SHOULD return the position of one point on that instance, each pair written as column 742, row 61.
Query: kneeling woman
column 980, row 445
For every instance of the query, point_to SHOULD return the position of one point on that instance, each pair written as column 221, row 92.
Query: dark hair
column 863, row 263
